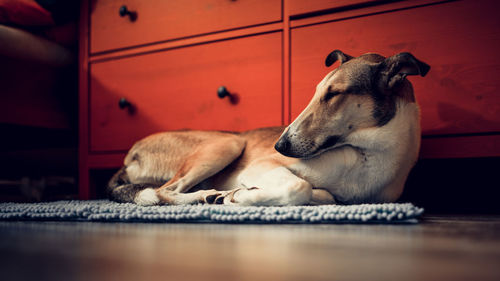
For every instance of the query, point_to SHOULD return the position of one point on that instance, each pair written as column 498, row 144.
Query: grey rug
column 104, row 210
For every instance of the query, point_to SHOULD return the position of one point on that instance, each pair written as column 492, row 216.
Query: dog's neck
column 391, row 150
column 399, row 136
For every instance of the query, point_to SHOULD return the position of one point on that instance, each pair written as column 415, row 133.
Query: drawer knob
column 124, row 103
column 124, row 11
column 222, row 92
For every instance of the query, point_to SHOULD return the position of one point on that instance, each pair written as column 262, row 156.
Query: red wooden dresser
column 148, row 66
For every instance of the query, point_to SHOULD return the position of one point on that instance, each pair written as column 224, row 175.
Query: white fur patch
column 147, row 197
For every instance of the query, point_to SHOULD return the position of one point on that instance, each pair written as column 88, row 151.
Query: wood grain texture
column 177, row 89
column 460, row 41
column 159, row 20
column 440, row 248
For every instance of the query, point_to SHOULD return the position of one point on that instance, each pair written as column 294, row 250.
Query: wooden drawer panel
column 177, row 89
column 460, row 40
column 297, row 7
column 160, row 20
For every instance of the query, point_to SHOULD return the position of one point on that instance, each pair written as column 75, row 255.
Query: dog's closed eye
column 330, row 94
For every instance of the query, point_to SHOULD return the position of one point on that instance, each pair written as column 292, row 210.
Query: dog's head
column 360, row 93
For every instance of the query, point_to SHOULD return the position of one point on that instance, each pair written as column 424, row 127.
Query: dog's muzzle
column 304, row 148
column 282, row 145
column 290, row 146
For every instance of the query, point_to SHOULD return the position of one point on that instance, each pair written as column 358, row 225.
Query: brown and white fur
column 355, row 142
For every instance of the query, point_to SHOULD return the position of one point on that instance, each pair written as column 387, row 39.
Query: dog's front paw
column 210, row 196
column 226, row 198
column 233, row 197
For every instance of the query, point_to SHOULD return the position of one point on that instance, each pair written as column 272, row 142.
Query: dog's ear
column 335, row 56
column 396, row 68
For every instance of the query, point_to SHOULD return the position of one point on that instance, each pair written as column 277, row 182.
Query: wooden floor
column 439, row 248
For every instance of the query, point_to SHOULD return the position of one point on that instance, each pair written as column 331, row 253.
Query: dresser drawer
column 177, row 89
column 160, row 20
column 460, row 40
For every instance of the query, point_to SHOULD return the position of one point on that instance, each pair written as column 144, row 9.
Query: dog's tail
column 121, row 189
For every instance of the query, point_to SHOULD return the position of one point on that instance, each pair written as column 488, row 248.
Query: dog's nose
column 283, row 145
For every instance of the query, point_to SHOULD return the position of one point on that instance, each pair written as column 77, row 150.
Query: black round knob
column 222, row 92
column 123, row 103
column 124, row 11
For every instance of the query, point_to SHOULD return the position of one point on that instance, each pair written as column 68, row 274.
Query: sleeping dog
column 355, row 142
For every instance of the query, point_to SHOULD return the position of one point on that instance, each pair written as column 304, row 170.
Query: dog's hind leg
column 208, row 158
column 181, row 159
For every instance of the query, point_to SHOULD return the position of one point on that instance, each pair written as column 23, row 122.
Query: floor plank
column 438, row 248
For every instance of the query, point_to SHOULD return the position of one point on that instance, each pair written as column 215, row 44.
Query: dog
column 355, row 142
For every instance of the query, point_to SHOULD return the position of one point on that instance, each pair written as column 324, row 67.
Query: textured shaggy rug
column 104, row 210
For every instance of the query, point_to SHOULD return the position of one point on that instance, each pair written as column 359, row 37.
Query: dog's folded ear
column 396, row 68
column 337, row 55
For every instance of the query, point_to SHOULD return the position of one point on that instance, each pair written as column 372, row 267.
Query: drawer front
column 297, row 7
column 460, row 40
column 160, row 20
column 177, row 89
